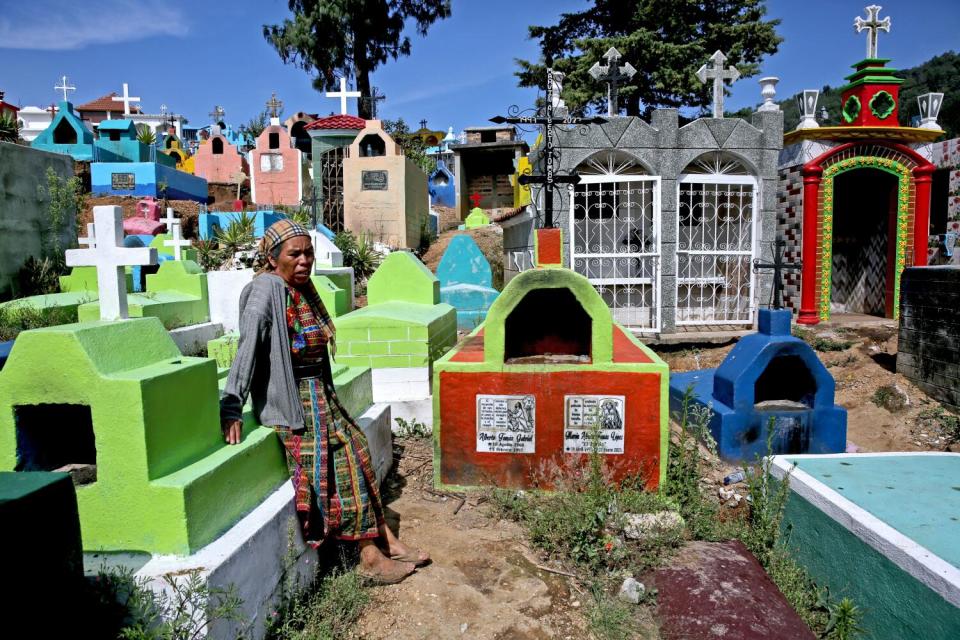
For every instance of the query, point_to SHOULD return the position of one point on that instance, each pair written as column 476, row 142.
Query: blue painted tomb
column 768, row 375
column 146, row 179
column 208, row 223
column 466, row 282
column 442, row 186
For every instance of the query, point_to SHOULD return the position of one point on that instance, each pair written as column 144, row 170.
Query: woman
column 283, row 360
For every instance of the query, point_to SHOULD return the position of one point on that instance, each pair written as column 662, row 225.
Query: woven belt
column 314, row 370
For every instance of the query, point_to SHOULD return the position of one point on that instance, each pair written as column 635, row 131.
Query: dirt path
column 483, row 583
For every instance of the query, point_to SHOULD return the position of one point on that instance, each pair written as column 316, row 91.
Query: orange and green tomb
column 545, row 378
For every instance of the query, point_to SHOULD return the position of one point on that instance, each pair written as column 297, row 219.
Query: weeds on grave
column 358, row 253
column 65, row 199
column 17, row 318
column 122, row 606
column 412, row 428
column 327, row 609
column 844, row 623
column 820, row 343
column 609, row 618
column 41, row 276
column 890, row 398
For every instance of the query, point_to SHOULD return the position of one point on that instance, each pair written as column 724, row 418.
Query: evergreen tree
column 666, row 40
column 349, row 37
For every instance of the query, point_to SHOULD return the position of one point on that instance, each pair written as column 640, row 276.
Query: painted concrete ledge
column 260, row 556
column 903, row 586
column 193, row 339
column 412, row 410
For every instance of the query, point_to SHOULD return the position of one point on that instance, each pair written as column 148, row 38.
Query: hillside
column 940, row 73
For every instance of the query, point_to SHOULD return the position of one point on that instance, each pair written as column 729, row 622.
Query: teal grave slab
column 67, row 135
column 883, row 529
column 466, row 282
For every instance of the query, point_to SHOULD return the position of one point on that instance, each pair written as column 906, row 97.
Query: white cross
column 90, row 240
column 343, row 94
column 874, row 25
column 173, row 227
column 64, row 87
column 110, row 257
column 718, row 74
column 126, row 99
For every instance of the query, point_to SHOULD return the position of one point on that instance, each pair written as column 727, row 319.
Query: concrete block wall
column 24, row 215
column 929, row 341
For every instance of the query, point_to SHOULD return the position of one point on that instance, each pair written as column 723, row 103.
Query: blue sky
column 194, row 55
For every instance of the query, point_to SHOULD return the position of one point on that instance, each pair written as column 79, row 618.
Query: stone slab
column 223, row 289
column 883, row 529
column 718, row 590
column 401, row 384
column 192, row 339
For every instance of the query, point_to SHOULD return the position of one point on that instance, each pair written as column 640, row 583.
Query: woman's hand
column 232, row 430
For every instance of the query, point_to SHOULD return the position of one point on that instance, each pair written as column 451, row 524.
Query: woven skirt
column 333, row 476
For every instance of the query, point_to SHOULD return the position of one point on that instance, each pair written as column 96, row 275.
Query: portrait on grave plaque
column 506, row 424
column 122, row 181
column 373, row 180
column 585, row 413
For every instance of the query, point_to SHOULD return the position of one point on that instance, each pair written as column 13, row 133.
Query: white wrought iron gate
column 716, row 244
column 615, row 243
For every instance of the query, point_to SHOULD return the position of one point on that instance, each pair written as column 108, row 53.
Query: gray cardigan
column 263, row 366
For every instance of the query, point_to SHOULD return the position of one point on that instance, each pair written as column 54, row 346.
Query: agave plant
column 366, row 259
column 238, row 236
column 146, row 136
column 9, row 127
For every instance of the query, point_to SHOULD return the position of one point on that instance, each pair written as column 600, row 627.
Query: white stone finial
column 126, row 99
column 718, row 74
column 64, row 87
column 807, row 103
column 873, row 25
column 110, row 258
column 768, row 89
column 343, row 94
column 90, row 241
column 173, row 228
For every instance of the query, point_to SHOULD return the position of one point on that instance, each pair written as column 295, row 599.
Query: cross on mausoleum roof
column 423, row 123
column 343, row 94
column 217, row 114
column 612, row 74
column 173, row 228
column 126, row 99
column 64, row 87
column 110, row 258
column 275, row 106
column 874, row 26
column 778, row 265
column 718, row 74
column 375, row 97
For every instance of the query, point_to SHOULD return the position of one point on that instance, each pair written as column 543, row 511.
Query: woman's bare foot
column 379, row 568
column 398, row 550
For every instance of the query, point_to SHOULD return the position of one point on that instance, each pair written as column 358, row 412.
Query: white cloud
column 58, row 25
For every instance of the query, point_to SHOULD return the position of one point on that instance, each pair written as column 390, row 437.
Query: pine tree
column 349, row 37
column 665, row 40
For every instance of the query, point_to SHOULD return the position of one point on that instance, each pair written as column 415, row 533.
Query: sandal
column 395, row 575
column 416, row 556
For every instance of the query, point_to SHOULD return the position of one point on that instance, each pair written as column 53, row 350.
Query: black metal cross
column 423, row 124
column 548, row 179
column 612, row 74
column 313, row 200
column 374, row 97
column 778, row 266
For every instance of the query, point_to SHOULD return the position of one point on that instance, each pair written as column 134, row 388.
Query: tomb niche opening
column 63, row 133
column 217, row 147
column 53, row 436
column 372, row 145
column 566, row 338
column 786, row 383
column 274, row 141
column 864, row 221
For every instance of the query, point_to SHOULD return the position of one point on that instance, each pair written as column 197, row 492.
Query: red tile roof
column 338, row 122
column 106, row 103
column 506, row 214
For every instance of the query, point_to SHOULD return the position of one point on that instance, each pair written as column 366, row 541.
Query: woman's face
column 295, row 262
